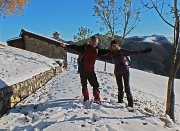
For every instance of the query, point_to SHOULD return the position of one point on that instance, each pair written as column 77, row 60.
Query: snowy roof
column 15, row 38
column 44, row 38
column 35, row 35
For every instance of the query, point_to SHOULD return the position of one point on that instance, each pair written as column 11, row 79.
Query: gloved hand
column 147, row 50
column 63, row 45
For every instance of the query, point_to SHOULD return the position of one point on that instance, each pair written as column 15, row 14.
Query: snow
column 157, row 39
column 149, row 39
column 2, row 43
column 15, row 38
column 136, row 37
column 171, row 39
column 41, row 35
column 19, row 65
column 58, row 105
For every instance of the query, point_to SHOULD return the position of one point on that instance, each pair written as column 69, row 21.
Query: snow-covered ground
column 19, row 65
column 58, row 106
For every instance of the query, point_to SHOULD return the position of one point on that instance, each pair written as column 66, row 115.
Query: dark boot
column 85, row 94
column 130, row 99
column 96, row 94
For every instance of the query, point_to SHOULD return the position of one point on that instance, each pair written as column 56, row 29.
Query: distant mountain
column 158, row 61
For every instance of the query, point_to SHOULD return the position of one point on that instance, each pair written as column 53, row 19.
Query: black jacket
column 82, row 49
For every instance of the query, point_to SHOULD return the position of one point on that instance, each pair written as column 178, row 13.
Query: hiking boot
column 85, row 94
column 86, row 99
column 97, row 102
column 130, row 104
column 96, row 94
column 120, row 101
column 130, row 99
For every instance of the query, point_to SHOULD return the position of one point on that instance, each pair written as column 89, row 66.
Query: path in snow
column 59, row 104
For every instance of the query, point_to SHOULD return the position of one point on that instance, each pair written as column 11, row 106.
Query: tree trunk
column 177, row 64
column 170, row 91
column 170, row 99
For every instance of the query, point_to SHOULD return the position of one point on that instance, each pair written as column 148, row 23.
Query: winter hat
column 114, row 42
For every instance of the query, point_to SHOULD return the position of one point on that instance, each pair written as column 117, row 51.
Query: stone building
column 49, row 47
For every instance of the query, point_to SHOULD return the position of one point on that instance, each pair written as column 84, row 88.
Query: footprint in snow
column 113, row 95
column 103, row 111
column 103, row 84
column 110, row 128
column 106, row 82
column 95, row 118
column 72, row 118
column 105, row 90
column 112, row 101
column 108, row 87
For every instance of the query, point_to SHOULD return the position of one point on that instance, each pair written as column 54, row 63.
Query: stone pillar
column 56, row 35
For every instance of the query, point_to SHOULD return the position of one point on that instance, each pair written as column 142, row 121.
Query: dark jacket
column 118, row 59
column 90, row 56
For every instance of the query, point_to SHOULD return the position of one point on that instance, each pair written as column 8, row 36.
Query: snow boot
column 85, row 93
column 130, row 100
column 96, row 94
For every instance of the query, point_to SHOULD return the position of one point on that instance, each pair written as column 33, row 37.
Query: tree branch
column 155, row 7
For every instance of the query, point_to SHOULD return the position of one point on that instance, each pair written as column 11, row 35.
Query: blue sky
column 66, row 16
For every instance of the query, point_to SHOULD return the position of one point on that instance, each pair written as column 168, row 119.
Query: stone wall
column 45, row 48
column 11, row 95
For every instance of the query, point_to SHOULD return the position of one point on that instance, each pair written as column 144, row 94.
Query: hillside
column 158, row 61
column 58, row 104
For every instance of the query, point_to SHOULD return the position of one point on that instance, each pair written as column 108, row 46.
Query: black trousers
column 119, row 82
column 89, row 76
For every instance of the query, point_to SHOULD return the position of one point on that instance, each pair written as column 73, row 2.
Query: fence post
column 105, row 66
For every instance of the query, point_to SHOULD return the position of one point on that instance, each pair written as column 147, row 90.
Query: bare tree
column 158, row 5
column 116, row 17
column 82, row 36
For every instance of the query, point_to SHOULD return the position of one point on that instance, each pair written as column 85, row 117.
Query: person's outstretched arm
column 78, row 49
column 103, row 52
column 105, row 57
column 135, row 52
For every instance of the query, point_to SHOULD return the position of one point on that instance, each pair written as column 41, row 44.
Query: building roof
column 38, row 36
column 14, row 39
column 34, row 35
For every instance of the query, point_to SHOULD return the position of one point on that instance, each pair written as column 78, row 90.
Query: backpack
column 80, row 59
column 127, row 59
